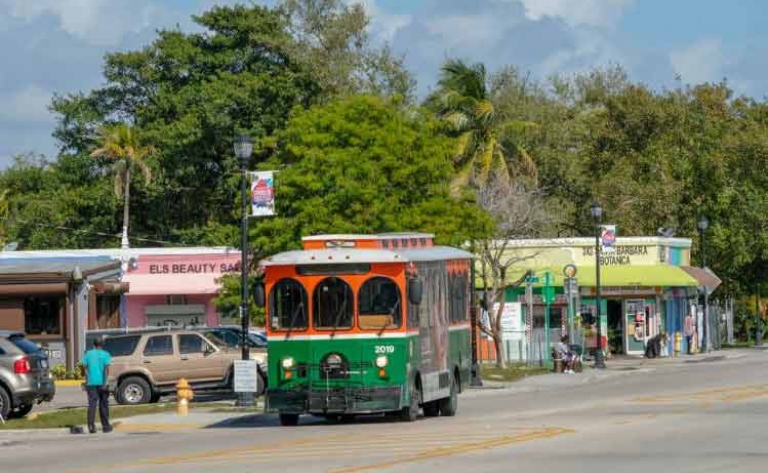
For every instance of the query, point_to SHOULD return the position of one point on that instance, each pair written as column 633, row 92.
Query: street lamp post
column 243, row 150
column 597, row 215
column 703, row 224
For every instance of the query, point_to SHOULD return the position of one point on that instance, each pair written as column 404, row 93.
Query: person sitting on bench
column 565, row 354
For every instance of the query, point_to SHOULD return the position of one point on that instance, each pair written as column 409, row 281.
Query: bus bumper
column 334, row 400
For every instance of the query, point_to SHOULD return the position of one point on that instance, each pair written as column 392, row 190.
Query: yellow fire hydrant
column 678, row 342
column 183, row 395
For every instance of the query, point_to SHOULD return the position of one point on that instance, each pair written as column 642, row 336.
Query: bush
column 59, row 372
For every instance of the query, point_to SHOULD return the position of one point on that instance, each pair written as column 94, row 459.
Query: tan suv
column 146, row 366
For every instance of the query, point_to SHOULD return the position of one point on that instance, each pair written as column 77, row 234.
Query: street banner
column 262, row 194
column 607, row 238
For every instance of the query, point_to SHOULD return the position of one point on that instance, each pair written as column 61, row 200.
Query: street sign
column 569, row 270
column 532, row 280
column 548, row 292
column 246, row 376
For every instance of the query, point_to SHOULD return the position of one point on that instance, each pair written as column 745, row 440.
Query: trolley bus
column 365, row 324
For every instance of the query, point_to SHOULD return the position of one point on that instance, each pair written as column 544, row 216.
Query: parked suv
column 146, row 366
column 25, row 379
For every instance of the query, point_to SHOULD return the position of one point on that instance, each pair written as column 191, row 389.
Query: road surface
column 703, row 416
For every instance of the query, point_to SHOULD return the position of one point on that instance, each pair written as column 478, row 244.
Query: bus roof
column 353, row 255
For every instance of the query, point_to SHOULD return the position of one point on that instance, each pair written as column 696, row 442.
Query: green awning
column 663, row 275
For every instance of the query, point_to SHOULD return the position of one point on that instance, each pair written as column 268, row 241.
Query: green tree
column 364, row 165
column 120, row 143
column 463, row 100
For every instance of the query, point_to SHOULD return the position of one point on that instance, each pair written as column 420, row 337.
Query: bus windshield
column 288, row 305
column 379, row 304
column 332, row 304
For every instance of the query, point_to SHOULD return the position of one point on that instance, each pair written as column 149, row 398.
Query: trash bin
column 558, row 366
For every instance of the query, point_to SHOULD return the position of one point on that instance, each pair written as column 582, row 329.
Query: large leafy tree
column 120, row 143
column 243, row 71
column 464, row 101
column 364, row 165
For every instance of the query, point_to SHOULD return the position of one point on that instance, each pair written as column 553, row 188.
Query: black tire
column 20, row 411
column 289, row 420
column 5, row 403
column 431, row 409
column 262, row 384
column 155, row 397
column 411, row 412
column 450, row 404
column 133, row 390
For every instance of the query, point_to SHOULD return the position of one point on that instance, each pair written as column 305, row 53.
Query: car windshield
column 24, row 345
column 257, row 341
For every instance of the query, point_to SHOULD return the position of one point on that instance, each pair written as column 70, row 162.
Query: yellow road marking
column 732, row 394
column 156, row 427
column 504, row 440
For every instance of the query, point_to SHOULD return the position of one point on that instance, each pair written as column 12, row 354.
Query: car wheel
column 155, row 398
column 20, row 411
column 262, row 384
column 289, row 420
column 5, row 403
column 134, row 390
column 450, row 404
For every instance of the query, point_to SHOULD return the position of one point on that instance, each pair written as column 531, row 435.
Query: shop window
column 555, row 317
column 42, row 315
column 176, row 299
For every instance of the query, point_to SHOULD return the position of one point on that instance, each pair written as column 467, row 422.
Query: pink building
column 176, row 289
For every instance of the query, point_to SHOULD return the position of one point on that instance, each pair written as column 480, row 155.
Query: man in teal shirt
column 96, row 364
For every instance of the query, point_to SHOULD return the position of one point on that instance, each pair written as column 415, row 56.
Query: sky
column 52, row 47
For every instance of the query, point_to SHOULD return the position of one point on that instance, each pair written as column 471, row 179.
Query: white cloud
column 702, row 61
column 578, row 12
column 28, row 105
column 103, row 22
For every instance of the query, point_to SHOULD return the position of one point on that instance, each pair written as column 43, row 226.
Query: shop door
column 635, row 326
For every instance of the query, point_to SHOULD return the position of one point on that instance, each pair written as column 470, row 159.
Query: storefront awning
column 661, row 275
column 707, row 279
column 162, row 285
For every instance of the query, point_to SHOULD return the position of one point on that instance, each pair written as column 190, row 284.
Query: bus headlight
column 288, row 363
column 382, row 361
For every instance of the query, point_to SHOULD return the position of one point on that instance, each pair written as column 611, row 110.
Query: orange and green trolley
column 366, row 324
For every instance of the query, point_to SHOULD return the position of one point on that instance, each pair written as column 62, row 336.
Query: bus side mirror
column 415, row 290
column 258, row 294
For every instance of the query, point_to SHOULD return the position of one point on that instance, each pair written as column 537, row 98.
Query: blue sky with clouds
column 56, row 46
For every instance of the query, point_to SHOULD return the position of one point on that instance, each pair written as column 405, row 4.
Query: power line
column 102, row 234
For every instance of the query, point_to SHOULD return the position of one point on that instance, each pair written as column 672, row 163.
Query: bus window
column 379, row 304
column 333, row 304
column 288, row 305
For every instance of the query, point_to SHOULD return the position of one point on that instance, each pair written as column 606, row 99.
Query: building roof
column 352, row 255
column 122, row 254
column 590, row 241
column 54, row 268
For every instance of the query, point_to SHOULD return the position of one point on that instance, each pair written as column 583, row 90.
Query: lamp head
column 243, row 148
column 596, row 211
column 703, row 223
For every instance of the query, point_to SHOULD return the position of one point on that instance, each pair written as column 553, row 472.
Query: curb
column 68, row 383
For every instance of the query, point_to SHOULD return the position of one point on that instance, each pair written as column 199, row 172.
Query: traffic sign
column 548, row 294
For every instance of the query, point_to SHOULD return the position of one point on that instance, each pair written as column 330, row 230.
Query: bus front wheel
column 450, row 404
column 289, row 420
column 411, row 412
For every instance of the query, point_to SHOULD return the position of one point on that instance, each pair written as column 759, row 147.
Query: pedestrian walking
column 689, row 330
column 96, row 364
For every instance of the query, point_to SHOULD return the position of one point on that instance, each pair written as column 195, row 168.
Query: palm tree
column 5, row 209
column 463, row 101
column 121, row 144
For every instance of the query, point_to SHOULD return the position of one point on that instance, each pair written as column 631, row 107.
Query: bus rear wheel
column 289, row 420
column 450, row 404
column 411, row 412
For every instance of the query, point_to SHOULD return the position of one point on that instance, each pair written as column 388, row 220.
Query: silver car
column 25, row 379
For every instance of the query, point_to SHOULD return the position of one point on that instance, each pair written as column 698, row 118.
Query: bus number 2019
column 384, row 349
